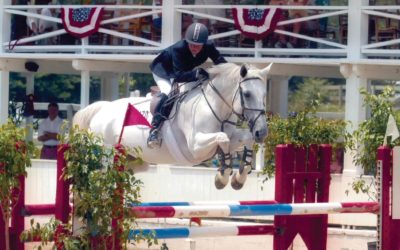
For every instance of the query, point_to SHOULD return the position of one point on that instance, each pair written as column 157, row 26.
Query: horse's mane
column 232, row 71
column 228, row 70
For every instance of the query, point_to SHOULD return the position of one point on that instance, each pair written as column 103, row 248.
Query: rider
column 178, row 63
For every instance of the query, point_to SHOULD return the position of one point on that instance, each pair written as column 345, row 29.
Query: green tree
column 311, row 90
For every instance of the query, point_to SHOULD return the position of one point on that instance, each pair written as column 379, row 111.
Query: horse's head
column 241, row 91
column 249, row 100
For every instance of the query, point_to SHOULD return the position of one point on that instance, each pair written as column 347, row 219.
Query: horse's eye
column 246, row 94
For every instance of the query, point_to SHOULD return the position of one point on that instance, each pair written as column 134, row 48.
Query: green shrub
column 302, row 129
column 96, row 185
column 370, row 133
column 15, row 157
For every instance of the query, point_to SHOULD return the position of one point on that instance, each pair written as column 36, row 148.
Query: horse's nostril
column 260, row 134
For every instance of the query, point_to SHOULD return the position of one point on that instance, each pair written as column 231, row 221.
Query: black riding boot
column 154, row 140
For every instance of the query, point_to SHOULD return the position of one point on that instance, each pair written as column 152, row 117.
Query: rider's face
column 195, row 48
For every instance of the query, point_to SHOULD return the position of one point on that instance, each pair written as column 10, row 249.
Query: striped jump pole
column 204, row 203
column 254, row 210
column 194, row 232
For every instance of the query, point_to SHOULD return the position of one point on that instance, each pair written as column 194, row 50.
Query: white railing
column 118, row 35
column 389, row 46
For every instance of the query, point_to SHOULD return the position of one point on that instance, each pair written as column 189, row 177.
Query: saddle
column 167, row 103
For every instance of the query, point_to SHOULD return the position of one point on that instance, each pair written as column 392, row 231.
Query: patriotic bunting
column 256, row 23
column 81, row 22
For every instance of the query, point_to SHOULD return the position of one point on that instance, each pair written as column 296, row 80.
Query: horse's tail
column 83, row 117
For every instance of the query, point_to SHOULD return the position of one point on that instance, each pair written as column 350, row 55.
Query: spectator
column 209, row 11
column 282, row 40
column 32, row 22
column 157, row 20
column 293, row 14
column 40, row 26
column 49, row 129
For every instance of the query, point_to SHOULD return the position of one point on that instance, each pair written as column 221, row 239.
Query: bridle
column 240, row 115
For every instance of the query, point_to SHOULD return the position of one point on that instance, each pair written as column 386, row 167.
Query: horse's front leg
column 242, row 138
column 204, row 145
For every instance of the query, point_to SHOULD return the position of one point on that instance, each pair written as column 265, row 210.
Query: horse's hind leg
column 239, row 178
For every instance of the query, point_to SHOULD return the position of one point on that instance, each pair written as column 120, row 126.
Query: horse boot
column 239, row 178
column 154, row 140
column 225, row 171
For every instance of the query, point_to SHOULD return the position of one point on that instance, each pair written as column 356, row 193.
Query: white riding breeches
column 164, row 84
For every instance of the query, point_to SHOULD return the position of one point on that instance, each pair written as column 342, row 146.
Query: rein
column 241, row 116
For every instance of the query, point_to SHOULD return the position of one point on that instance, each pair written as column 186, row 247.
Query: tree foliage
column 370, row 133
column 309, row 90
column 102, row 192
column 301, row 129
column 15, row 157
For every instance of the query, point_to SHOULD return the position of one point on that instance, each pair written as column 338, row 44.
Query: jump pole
column 216, row 211
column 196, row 232
column 203, row 203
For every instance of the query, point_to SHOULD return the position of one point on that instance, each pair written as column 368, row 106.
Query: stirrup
column 154, row 141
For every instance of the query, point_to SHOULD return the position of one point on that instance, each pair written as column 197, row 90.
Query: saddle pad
column 172, row 145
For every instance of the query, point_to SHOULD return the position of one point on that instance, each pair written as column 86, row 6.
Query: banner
column 256, row 23
column 81, row 22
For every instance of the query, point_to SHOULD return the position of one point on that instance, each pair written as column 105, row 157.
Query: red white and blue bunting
column 256, row 23
column 81, row 22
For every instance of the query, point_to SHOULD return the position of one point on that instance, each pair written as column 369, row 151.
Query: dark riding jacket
column 177, row 62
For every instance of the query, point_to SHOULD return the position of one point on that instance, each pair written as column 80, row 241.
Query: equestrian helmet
column 197, row 33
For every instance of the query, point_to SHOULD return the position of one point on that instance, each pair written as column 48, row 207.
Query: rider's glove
column 201, row 74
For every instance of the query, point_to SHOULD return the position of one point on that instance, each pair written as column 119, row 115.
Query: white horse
column 201, row 122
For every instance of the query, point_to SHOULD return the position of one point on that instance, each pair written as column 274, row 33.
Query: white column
column 30, row 86
column 4, row 95
column 171, row 23
column 110, row 86
column 358, row 25
column 127, row 79
column 5, row 26
column 85, row 88
column 354, row 110
column 102, row 86
column 260, row 157
column 355, row 113
column 279, row 88
column 114, row 86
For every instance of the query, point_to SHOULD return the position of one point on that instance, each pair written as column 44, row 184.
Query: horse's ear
column 243, row 71
column 266, row 70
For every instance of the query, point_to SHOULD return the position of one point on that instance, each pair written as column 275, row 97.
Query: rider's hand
column 201, row 74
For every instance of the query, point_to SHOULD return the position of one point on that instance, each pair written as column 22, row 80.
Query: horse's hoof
column 235, row 184
column 247, row 169
column 218, row 183
column 222, row 178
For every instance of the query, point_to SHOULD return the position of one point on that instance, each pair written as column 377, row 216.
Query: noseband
column 241, row 115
